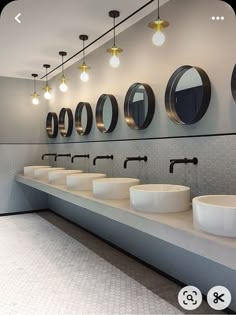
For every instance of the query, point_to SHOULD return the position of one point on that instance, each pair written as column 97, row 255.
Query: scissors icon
column 218, row 297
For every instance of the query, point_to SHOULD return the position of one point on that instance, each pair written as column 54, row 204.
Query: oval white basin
column 83, row 181
column 113, row 188
column 160, row 198
column 29, row 170
column 42, row 173
column 215, row 214
column 59, row 177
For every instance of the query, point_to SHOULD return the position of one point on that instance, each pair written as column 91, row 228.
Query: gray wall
column 22, row 142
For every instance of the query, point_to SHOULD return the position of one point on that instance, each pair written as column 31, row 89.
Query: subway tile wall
column 214, row 174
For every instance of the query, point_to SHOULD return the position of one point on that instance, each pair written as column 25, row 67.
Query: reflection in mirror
column 65, row 122
column 233, row 83
column 52, row 125
column 106, row 113
column 83, row 118
column 139, row 106
column 187, row 95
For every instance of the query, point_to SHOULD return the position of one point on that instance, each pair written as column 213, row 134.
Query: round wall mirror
column 106, row 113
column 233, row 83
column 187, row 95
column 52, row 125
column 139, row 106
column 83, row 118
column 65, row 122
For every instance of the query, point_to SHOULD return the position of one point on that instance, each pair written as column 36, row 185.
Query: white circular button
column 190, row 298
column 219, row 298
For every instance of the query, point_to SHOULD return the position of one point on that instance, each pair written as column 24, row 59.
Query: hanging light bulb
column 114, row 51
column 158, row 37
column 35, row 100
column 47, row 89
column 63, row 86
column 84, row 76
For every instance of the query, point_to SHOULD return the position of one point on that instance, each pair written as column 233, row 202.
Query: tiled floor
column 51, row 267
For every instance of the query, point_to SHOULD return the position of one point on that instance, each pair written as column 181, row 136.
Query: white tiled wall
column 214, row 174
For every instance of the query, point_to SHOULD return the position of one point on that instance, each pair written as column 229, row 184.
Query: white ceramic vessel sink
column 113, row 188
column 83, row 181
column 29, row 170
column 215, row 214
column 42, row 173
column 160, row 198
column 59, row 177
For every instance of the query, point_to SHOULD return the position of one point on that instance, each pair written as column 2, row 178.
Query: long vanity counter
column 175, row 228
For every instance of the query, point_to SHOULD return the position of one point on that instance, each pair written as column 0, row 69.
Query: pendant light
column 47, row 88
column 63, row 86
column 84, row 74
column 35, row 100
column 158, row 37
column 114, row 50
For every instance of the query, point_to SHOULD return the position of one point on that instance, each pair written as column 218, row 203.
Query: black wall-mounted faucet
column 62, row 155
column 182, row 161
column 79, row 156
column 102, row 157
column 48, row 154
column 135, row 158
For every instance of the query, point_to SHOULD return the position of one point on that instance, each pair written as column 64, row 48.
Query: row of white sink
column 214, row 214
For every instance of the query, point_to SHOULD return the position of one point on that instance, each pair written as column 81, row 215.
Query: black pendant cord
column 83, row 53
column 62, row 59
column 114, row 28
column 34, row 85
column 46, row 77
column 158, row 9
column 101, row 36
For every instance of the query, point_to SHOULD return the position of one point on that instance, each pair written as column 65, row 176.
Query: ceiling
column 48, row 26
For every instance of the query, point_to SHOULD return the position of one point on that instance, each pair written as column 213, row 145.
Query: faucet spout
column 48, row 154
column 181, row 161
column 135, row 158
column 79, row 156
column 62, row 155
column 102, row 157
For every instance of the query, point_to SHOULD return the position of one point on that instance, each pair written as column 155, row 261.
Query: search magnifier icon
column 190, row 297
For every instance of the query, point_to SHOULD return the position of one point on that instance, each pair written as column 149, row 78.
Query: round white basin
column 215, row 214
column 160, row 198
column 29, row 170
column 42, row 173
column 113, row 188
column 59, row 177
column 83, row 181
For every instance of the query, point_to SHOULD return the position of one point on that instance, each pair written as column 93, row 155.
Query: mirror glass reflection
column 139, row 105
column 83, row 118
column 107, row 112
column 187, row 95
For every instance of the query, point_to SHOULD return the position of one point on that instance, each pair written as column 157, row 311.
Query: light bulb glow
column 47, row 94
column 114, row 61
column 84, row 76
column 158, row 38
column 35, row 100
column 63, row 86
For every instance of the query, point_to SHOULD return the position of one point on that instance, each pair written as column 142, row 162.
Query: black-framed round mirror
column 233, row 83
column 65, row 122
column 187, row 95
column 139, row 106
column 106, row 113
column 83, row 118
column 52, row 125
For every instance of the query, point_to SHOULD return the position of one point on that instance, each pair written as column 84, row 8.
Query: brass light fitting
column 114, row 50
column 63, row 86
column 84, row 76
column 47, row 89
column 158, row 37
column 35, row 95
